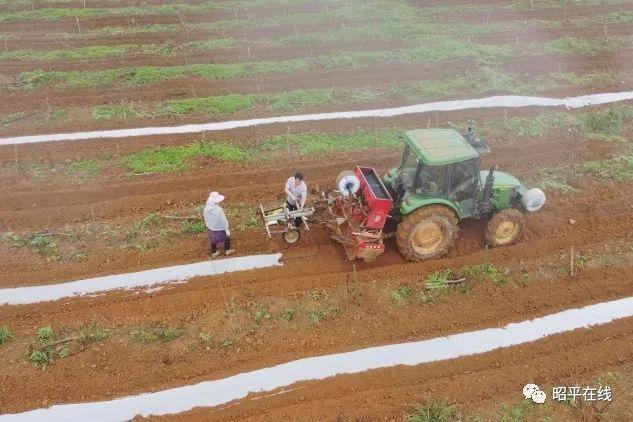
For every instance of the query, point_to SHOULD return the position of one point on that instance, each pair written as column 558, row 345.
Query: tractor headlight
column 533, row 200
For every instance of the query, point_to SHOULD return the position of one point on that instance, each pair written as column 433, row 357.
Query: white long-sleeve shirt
column 300, row 192
column 214, row 217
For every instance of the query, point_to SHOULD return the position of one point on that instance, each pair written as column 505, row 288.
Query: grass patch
column 43, row 244
column 553, row 178
column 219, row 105
column 486, row 271
column 176, row 158
column 5, row 334
column 437, row 48
column 8, row 120
column 619, row 169
column 315, row 143
column 111, row 111
column 143, row 225
column 605, row 124
column 85, row 168
column 52, row 14
column 159, row 332
column 401, row 295
column 192, row 227
column 433, row 411
column 261, row 314
column 438, row 279
column 94, row 333
column 519, row 413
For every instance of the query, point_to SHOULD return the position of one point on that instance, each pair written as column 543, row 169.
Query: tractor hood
column 503, row 180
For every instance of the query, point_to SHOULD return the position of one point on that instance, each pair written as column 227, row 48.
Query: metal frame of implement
column 281, row 215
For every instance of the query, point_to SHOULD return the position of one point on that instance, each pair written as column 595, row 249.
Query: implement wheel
column 504, row 227
column 427, row 233
column 292, row 236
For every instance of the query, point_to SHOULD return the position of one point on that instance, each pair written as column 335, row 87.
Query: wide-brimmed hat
column 215, row 198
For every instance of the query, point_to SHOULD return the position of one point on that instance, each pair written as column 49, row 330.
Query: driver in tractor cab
column 296, row 194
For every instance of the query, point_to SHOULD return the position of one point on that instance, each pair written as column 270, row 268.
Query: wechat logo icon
column 532, row 392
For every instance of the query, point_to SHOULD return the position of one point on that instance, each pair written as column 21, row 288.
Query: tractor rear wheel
column 427, row 233
column 504, row 227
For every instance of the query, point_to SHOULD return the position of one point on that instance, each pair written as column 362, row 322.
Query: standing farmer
column 217, row 225
column 296, row 194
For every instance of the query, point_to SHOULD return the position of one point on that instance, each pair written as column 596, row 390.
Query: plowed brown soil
column 360, row 311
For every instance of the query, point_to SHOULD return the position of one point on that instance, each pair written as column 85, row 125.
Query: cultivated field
column 80, row 209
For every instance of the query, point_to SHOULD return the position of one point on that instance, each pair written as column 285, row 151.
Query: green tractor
column 439, row 183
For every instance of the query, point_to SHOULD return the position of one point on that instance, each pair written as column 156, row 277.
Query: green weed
column 174, row 158
column 553, row 178
column 315, row 143
column 206, row 338
column 41, row 357
column 219, row 105
column 123, row 111
column 86, row 168
column 6, row 121
column 44, row 244
column 142, row 226
column 5, row 334
column 52, row 14
column 606, row 124
column 45, row 335
column 94, row 333
column 518, row 413
column 617, row 169
column 192, row 227
column 438, row 279
column 158, row 332
column 288, row 314
column 486, row 271
column 401, row 295
column 261, row 315
column 433, row 411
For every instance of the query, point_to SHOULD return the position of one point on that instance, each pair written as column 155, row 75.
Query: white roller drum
column 347, row 183
column 533, row 200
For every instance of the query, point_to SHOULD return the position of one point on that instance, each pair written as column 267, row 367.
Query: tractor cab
column 437, row 165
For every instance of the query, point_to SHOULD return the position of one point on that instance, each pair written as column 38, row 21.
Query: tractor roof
column 437, row 147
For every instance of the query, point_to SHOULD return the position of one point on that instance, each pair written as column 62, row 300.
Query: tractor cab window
column 431, row 180
column 463, row 180
column 409, row 159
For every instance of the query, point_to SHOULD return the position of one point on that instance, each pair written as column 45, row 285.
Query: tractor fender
column 411, row 203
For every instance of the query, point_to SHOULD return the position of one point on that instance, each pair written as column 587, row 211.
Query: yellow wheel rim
column 428, row 236
column 506, row 232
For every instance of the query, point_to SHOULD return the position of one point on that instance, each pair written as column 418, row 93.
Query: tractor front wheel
column 426, row 233
column 504, row 227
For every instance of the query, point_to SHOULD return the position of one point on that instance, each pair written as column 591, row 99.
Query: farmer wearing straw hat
column 217, row 225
